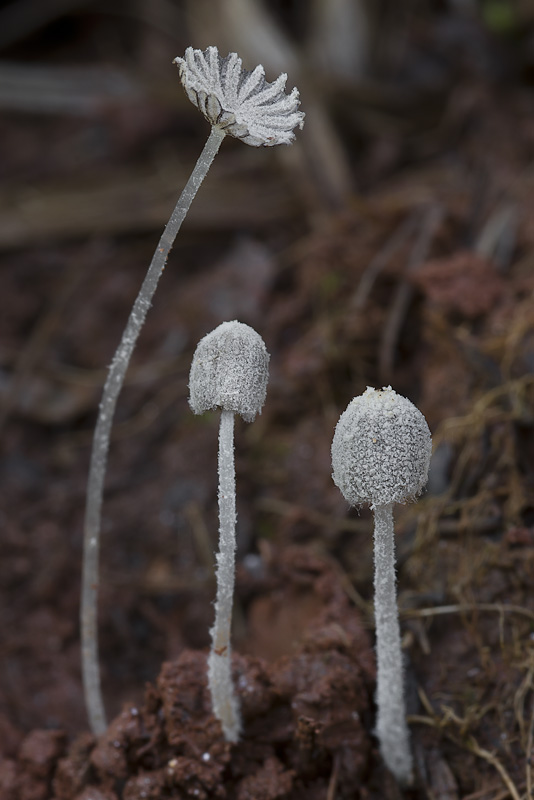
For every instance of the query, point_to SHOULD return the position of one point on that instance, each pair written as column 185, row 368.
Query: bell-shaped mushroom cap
column 230, row 370
column 381, row 449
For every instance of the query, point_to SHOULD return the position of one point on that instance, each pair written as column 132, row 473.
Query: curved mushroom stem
column 391, row 727
column 97, row 469
column 224, row 702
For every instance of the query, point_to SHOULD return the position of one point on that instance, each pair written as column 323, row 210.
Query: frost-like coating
column 230, row 370
column 240, row 102
column 381, row 449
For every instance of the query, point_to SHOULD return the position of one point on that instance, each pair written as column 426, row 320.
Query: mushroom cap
column 381, row 449
column 230, row 370
column 241, row 103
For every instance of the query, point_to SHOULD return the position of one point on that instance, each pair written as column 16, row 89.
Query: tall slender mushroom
column 230, row 370
column 241, row 104
column 380, row 455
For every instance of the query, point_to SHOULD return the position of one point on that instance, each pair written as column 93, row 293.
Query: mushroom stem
column 391, row 727
column 224, row 702
column 97, row 469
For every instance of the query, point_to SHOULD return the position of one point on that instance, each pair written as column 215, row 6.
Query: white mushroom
column 230, row 370
column 380, row 455
column 243, row 105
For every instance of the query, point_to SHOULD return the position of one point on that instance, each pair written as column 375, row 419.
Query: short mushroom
column 230, row 370
column 381, row 455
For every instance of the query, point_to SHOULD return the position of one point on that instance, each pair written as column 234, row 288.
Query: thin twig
column 134, row 200
column 381, row 259
column 492, row 759
column 403, row 296
column 497, row 239
column 461, row 608
column 483, row 793
column 530, row 755
column 78, row 91
column 201, row 536
column 332, row 784
column 471, row 744
column 283, row 508
column 519, row 703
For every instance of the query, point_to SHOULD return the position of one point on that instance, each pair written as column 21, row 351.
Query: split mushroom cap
column 230, row 370
column 241, row 103
column 381, row 449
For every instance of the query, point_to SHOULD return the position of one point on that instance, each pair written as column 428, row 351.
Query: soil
column 396, row 247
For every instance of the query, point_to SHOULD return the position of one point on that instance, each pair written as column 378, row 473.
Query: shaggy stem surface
column 97, row 470
column 224, row 702
column 391, row 727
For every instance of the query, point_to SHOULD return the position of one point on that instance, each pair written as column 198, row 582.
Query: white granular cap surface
column 381, row 449
column 230, row 370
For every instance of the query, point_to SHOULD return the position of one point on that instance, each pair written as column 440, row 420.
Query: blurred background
column 393, row 243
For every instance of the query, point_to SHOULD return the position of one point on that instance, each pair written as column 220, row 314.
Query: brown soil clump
column 307, row 715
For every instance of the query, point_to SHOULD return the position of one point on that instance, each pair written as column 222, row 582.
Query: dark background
column 391, row 244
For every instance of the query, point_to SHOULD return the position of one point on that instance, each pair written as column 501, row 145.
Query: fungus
column 240, row 103
column 380, row 455
column 244, row 105
column 229, row 371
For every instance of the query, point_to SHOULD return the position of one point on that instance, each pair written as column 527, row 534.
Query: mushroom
column 230, row 370
column 246, row 106
column 380, row 455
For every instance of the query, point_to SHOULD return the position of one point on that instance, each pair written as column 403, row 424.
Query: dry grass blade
column 497, row 238
column 444, row 721
column 327, row 522
column 381, row 259
column 63, row 90
column 339, row 37
column 132, row 202
column 530, row 754
column 482, row 794
column 403, row 296
column 486, row 409
column 492, row 759
column 332, row 786
column 462, row 608
column 519, row 704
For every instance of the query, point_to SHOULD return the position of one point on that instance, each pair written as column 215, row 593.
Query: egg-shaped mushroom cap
column 381, row 449
column 230, row 370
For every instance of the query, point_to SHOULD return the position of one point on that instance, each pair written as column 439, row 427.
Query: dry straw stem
column 530, row 750
column 468, row 742
column 431, row 219
column 492, row 419
column 462, row 608
column 486, row 410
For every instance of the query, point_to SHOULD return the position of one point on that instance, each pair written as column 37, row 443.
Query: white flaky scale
column 230, row 370
column 381, row 449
